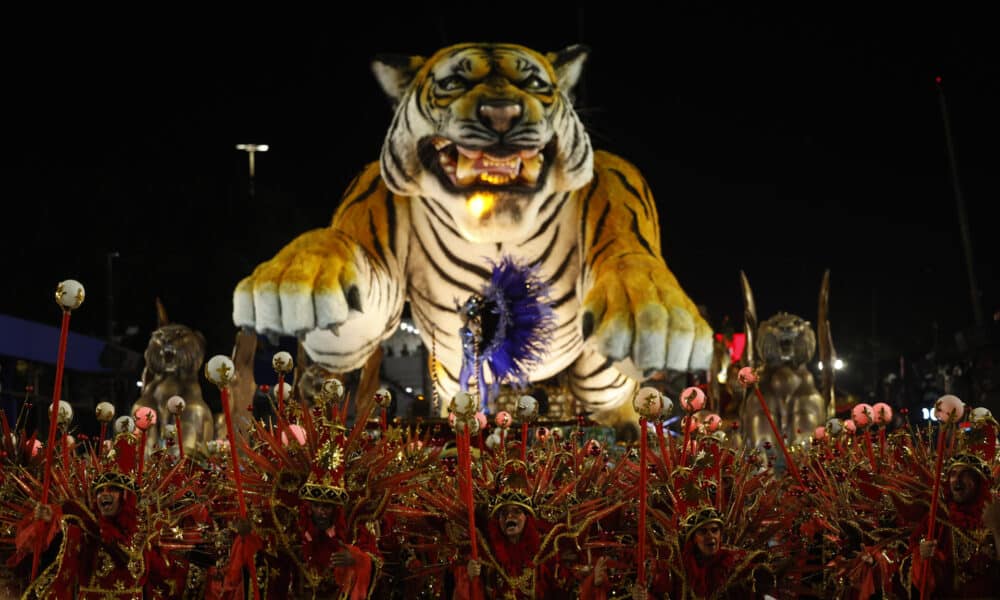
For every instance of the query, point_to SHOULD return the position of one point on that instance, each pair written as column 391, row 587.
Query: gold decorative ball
column 220, row 370
column 282, row 362
column 69, row 294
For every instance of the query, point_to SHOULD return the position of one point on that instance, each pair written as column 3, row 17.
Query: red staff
column 527, row 409
column 69, row 296
column 105, row 412
column 145, row 417
column 647, row 402
column 221, row 371
column 463, row 420
column 747, row 377
column 947, row 410
column 282, row 363
column 176, row 405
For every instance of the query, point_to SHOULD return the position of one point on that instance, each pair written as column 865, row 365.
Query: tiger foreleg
column 636, row 310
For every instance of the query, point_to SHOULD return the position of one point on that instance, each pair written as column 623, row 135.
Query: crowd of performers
column 313, row 505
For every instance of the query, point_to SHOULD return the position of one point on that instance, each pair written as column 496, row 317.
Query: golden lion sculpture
column 780, row 350
column 174, row 356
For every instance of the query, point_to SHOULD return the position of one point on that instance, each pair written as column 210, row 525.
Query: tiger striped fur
column 486, row 157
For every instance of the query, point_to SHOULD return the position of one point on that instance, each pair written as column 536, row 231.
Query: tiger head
column 486, row 130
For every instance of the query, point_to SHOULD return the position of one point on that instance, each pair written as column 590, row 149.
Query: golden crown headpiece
column 119, row 464
column 326, row 476
column 973, row 462
column 698, row 518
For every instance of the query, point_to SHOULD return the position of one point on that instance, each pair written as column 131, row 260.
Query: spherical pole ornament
column 282, row 362
column 332, row 390
column 220, row 370
column 712, row 422
column 948, row 408
column 863, row 414
column 69, row 294
column 834, row 426
column 463, row 404
column 647, row 402
column 176, row 404
column 65, row 413
column 527, row 408
column 850, row 426
column 882, row 413
column 692, row 399
column 286, row 390
column 981, row 414
column 503, row 419
column 383, row 398
column 820, row 433
column 145, row 417
column 667, row 406
column 493, row 440
column 124, row 424
column 105, row 411
column 747, row 376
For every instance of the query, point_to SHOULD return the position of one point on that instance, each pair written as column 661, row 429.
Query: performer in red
column 511, row 567
column 707, row 568
column 108, row 550
column 962, row 555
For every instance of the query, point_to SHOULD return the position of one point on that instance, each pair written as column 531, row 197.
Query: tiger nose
column 499, row 115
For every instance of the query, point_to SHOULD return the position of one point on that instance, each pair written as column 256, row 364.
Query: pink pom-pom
column 883, row 413
column 503, row 419
column 746, row 376
column 862, row 414
column 145, row 417
column 541, row 433
column 36, row 446
column 820, row 433
column 948, row 408
column 850, row 426
column 692, row 399
column 481, row 419
column 712, row 422
column 298, row 434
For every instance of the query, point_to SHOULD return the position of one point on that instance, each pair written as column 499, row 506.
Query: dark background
column 782, row 144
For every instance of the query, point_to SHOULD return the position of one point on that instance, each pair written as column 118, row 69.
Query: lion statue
column 780, row 350
column 486, row 159
column 174, row 356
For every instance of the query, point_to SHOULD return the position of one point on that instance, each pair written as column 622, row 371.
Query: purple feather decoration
column 515, row 326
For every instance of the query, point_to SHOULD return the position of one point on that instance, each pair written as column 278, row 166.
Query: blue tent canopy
column 40, row 343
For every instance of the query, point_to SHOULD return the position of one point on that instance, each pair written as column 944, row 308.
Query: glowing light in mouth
column 479, row 203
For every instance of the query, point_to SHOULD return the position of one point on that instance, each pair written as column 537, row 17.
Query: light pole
column 252, row 150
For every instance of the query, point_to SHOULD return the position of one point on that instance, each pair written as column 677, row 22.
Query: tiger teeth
column 531, row 168
column 441, row 143
column 465, row 172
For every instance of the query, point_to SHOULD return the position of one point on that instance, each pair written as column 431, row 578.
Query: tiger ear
column 568, row 64
column 394, row 72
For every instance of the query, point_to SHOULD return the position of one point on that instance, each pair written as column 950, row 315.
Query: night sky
column 780, row 144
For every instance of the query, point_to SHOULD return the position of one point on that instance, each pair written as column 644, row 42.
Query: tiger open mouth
column 463, row 167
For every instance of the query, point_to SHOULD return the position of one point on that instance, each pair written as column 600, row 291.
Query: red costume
column 964, row 564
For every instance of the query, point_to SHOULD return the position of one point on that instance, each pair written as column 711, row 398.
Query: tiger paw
column 315, row 282
column 636, row 310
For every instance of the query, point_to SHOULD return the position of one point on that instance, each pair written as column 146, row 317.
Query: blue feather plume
column 516, row 326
